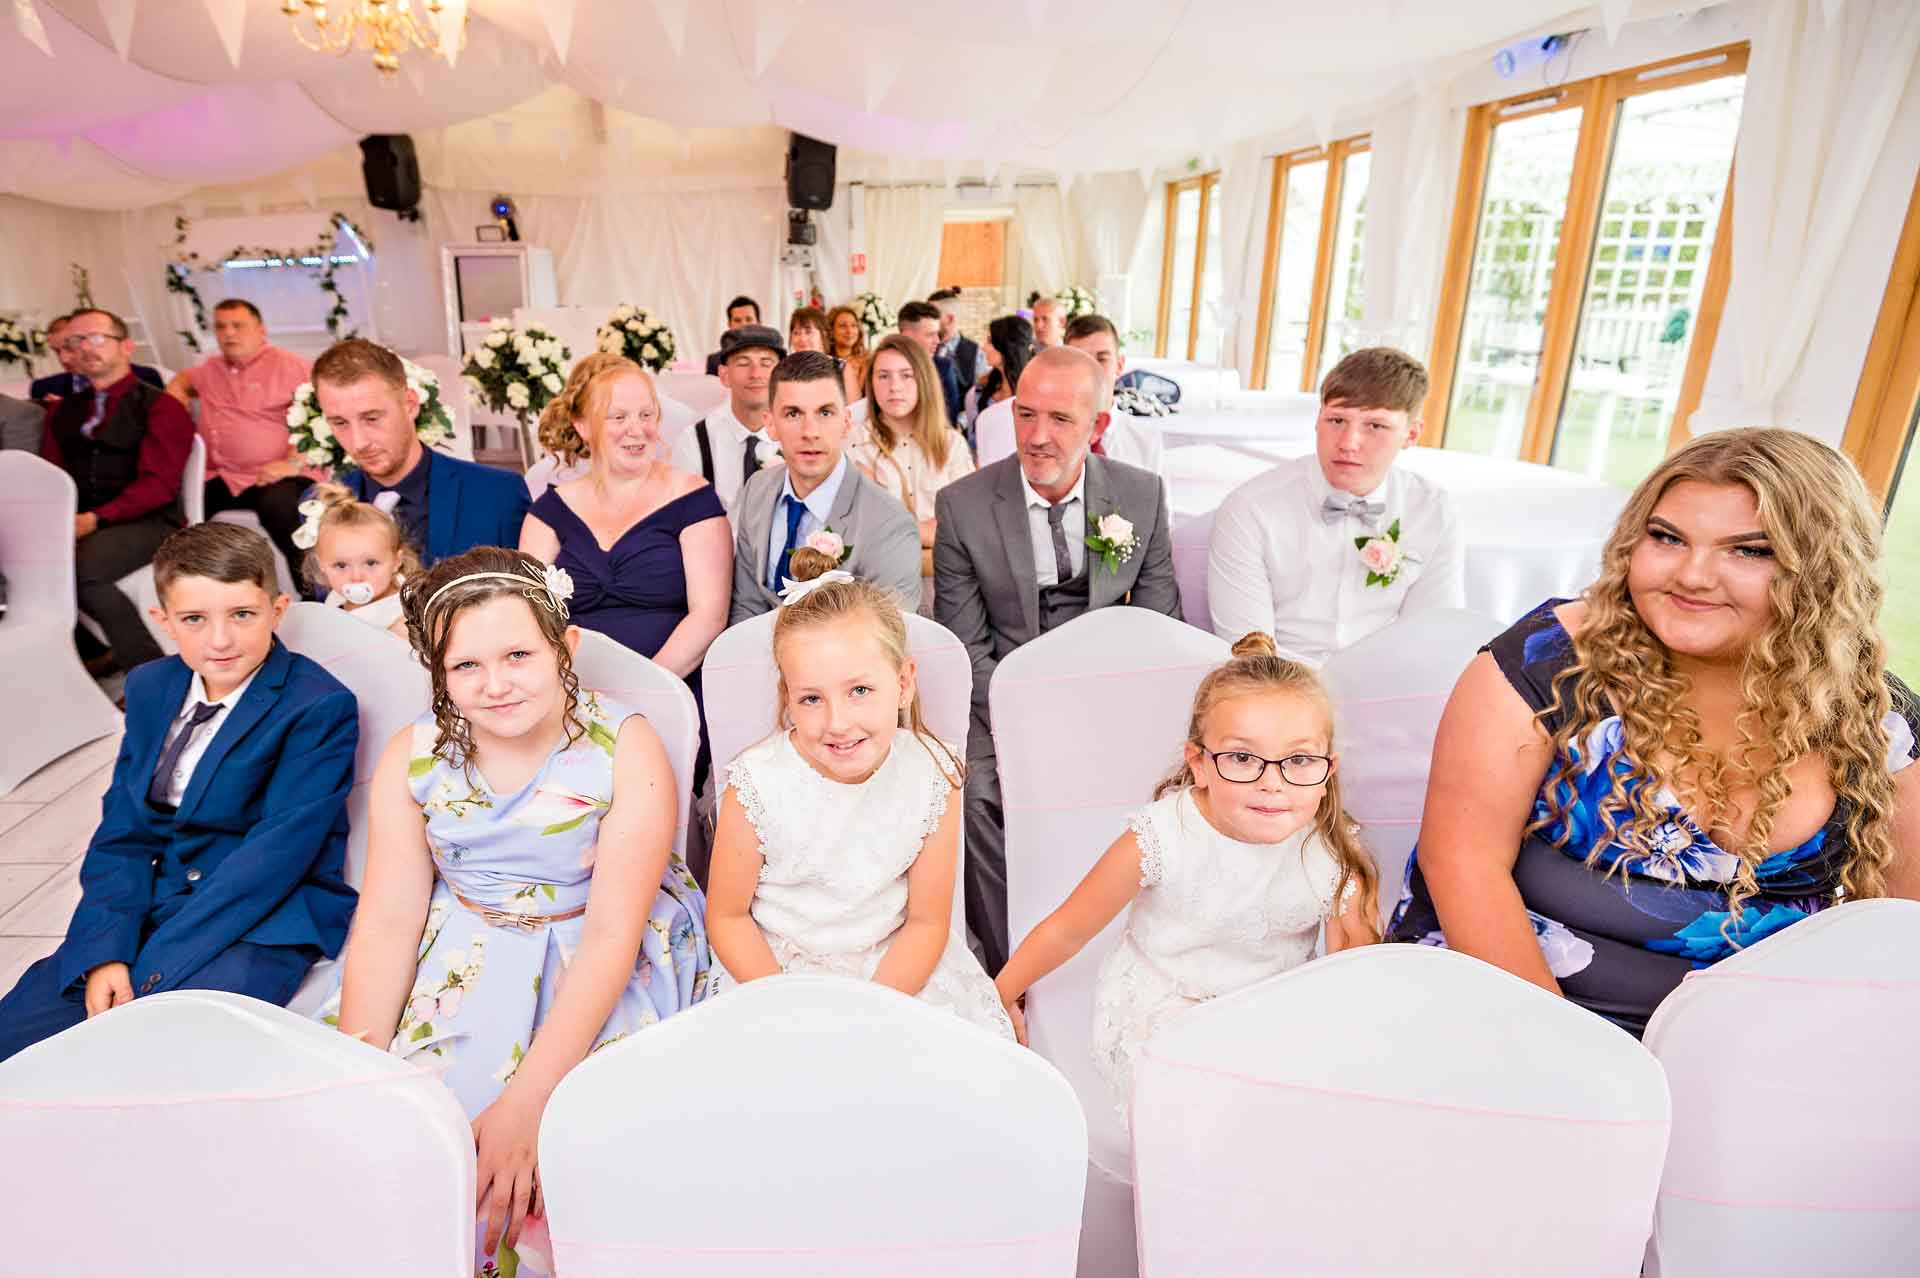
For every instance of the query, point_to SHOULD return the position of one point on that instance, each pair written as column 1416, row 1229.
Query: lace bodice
column 1217, row 914
column 836, row 856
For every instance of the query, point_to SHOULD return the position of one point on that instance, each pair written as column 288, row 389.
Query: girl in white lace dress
column 358, row 554
column 834, row 850
column 1242, row 856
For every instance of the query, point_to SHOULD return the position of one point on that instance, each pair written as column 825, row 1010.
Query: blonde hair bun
column 808, row 563
column 1257, row 644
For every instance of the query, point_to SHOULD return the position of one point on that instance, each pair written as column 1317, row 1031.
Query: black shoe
column 101, row 666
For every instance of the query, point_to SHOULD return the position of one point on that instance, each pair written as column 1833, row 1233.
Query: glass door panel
column 1185, row 246
column 1306, row 192
column 1346, row 293
column 1900, row 560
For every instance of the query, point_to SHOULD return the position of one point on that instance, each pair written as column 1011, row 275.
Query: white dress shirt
column 1275, row 564
column 728, row 439
column 202, row 736
column 819, row 504
column 1073, row 524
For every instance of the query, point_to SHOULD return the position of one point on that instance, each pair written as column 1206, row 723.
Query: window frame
column 1336, row 154
column 1599, row 98
column 1206, row 184
column 1884, row 403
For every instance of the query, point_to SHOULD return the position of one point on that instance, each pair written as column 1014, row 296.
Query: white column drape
column 833, row 254
column 1108, row 215
column 903, row 241
column 1823, row 88
column 1416, row 145
column 1243, row 180
column 1048, row 257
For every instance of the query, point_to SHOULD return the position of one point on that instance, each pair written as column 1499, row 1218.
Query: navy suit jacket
column 257, row 850
column 468, row 505
column 61, row 383
column 950, row 386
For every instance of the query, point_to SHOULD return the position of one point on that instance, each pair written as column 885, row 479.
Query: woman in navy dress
column 1706, row 748
column 647, row 546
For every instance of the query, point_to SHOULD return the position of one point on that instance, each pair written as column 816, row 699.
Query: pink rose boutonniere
column 831, row 544
column 1382, row 555
column 1113, row 539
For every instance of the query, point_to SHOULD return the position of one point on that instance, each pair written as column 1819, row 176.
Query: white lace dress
column 833, row 889
column 1214, row 915
column 381, row 612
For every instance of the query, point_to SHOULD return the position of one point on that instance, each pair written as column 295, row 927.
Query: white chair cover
column 608, row 666
column 697, row 391
column 1389, row 690
column 52, row 704
column 1796, row 1134
column 1191, row 533
column 201, row 1133
column 741, row 687
column 393, row 690
column 1396, row 1109
column 1087, row 719
column 885, row 1137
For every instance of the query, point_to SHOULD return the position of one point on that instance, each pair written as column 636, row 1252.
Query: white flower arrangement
column 517, row 370
column 875, row 315
column 633, row 331
column 19, row 343
column 1078, row 301
column 314, row 440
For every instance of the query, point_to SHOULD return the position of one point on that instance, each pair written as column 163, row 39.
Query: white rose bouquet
column 1078, row 301
column 634, row 332
column 875, row 315
column 313, row 439
column 517, row 370
column 19, row 343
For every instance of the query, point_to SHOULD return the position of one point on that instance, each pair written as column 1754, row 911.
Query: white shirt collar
column 1036, row 502
column 723, row 416
column 197, row 693
column 820, row 500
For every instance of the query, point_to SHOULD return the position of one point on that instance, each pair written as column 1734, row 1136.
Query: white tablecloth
column 1203, row 426
column 1532, row 531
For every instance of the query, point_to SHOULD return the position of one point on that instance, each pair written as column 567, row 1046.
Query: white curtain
column 42, row 242
column 833, row 253
column 1416, row 148
column 1108, row 215
column 903, row 241
column 1244, row 183
column 1822, row 92
column 1048, row 260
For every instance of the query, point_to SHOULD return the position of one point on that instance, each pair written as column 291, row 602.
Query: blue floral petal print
column 1701, row 943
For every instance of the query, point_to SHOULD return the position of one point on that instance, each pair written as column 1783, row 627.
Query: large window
column 1582, row 268
column 1190, row 270
column 1311, row 285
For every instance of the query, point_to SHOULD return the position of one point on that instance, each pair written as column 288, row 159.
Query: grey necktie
column 99, row 411
column 163, row 775
column 1338, row 506
column 1062, row 558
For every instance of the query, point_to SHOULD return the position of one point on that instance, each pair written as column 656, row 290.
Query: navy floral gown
column 1618, row 942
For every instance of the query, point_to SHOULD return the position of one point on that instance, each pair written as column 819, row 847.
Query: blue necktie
column 796, row 511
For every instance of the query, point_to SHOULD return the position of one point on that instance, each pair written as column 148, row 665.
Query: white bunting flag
column 118, row 15
column 773, row 22
column 558, row 15
column 27, row 18
column 1613, row 16
column 230, row 24
column 451, row 23
column 673, row 21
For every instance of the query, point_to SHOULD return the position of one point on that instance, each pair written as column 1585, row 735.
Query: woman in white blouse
column 907, row 447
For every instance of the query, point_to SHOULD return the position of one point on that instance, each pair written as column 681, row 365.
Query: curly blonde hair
column 345, row 511
column 1812, row 682
column 558, row 435
column 1257, row 667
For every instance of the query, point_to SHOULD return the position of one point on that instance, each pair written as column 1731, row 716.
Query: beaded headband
column 550, row 587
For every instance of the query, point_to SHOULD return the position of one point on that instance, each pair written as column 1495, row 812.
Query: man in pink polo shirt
column 244, row 394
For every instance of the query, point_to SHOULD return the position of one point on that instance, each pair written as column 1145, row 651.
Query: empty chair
column 204, row 1133
column 52, row 704
column 1190, row 536
column 1396, row 1109
column 697, row 391
column 1796, row 1103
column 885, row 1136
column 607, row 666
column 1388, row 692
column 1087, row 719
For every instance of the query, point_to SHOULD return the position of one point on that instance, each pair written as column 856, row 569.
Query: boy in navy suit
column 220, row 857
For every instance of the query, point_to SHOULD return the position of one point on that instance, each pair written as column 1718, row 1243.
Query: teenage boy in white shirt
column 1323, row 550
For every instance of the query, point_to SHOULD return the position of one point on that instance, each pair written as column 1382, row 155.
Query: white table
column 1531, row 531
column 1279, row 433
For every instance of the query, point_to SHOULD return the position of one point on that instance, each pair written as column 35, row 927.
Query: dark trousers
column 986, row 869
column 100, row 560
column 278, row 505
column 38, row 1008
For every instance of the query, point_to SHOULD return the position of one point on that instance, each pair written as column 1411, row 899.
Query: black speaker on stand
column 809, row 172
column 392, row 173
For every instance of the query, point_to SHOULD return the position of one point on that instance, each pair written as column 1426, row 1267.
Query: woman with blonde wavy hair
column 1703, row 749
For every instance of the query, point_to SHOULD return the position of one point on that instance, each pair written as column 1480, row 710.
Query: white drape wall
column 903, row 241
column 1416, row 149
column 1245, row 179
column 1048, row 260
column 1108, row 216
column 833, row 253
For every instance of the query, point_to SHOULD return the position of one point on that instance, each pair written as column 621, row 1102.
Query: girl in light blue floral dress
column 523, row 905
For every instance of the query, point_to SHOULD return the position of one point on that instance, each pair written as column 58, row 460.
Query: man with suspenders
column 729, row 445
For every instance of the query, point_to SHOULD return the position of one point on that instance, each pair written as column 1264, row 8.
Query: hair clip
column 550, row 587
column 792, row 592
column 308, row 533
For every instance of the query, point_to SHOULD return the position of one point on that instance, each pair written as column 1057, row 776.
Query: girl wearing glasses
column 1242, row 856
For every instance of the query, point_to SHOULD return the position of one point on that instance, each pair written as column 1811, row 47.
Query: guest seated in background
column 730, row 445
column 741, row 312
column 850, row 348
column 818, row 497
column 1323, row 550
column 921, row 322
column 1011, row 561
column 1705, row 748
column 446, row 505
column 808, row 330
column 357, row 556
column 837, row 834
column 72, row 380
column 1049, row 322
column 22, row 424
column 989, row 412
column 498, row 820
column 125, row 442
column 1128, row 437
column 219, row 857
column 1245, row 854
column 244, row 393
column 907, row 447
column 560, row 435
column 955, row 345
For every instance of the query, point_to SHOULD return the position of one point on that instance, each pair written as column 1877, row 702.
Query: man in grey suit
column 1011, row 562
column 817, row 490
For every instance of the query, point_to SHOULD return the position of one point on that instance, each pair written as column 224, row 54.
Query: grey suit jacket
column 21, row 421
column 985, row 588
column 884, row 539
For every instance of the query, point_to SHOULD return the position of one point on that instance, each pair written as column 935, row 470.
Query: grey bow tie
column 1339, row 506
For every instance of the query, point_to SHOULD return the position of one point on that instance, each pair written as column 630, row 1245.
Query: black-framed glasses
column 95, row 340
column 1244, row 767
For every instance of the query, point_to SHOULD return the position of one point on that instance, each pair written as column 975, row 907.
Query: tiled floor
column 44, row 827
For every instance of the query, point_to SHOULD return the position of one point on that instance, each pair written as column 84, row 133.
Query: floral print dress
column 485, row 985
column 1619, row 935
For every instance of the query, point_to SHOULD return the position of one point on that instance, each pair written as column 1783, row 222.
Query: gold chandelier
column 384, row 28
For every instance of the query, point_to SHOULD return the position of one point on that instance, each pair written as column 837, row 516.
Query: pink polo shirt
column 243, row 412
